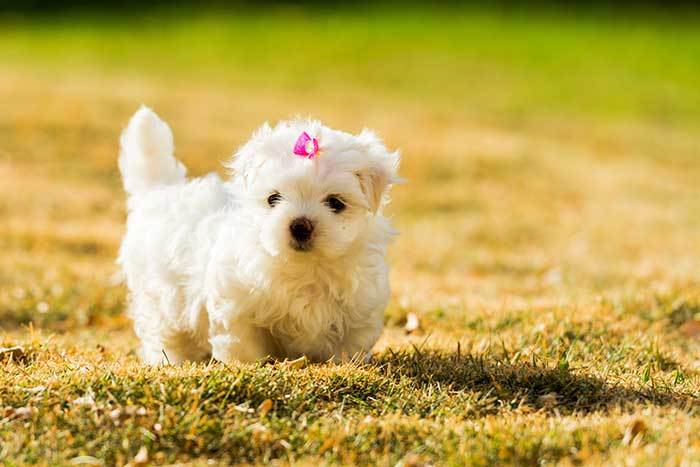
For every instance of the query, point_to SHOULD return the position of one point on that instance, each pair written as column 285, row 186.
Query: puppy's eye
column 273, row 199
column 335, row 203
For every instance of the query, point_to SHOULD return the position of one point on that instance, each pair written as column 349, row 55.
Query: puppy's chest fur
column 308, row 312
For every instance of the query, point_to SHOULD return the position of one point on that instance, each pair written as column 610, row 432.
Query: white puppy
column 287, row 258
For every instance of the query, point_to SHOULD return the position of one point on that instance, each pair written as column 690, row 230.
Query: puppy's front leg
column 358, row 343
column 236, row 341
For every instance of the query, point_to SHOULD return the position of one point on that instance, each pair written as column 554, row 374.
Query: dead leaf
column 87, row 400
column 86, row 460
column 327, row 444
column 19, row 412
column 414, row 460
column 15, row 353
column 116, row 414
column 258, row 428
column 297, row 364
column 691, row 329
column 265, row 407
column 635, row 429
column 412, row 323
column 243, row 408
column 141, row 457
column 285, row 444
column 549, row 400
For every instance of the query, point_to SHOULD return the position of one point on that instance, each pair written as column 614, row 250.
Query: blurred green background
column 506, row 63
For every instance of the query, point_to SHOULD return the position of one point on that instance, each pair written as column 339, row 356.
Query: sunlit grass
column 549, row 241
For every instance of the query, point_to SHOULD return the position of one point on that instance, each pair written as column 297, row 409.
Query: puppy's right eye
column 273, row 199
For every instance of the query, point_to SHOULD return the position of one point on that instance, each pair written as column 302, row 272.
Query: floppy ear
column 378, row 170
column 373, row 183
column 244, row 162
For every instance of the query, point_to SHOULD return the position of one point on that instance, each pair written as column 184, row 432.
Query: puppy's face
column 303, row 212
column 318, row 207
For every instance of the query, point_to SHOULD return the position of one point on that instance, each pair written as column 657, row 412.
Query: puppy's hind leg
column 161, row 341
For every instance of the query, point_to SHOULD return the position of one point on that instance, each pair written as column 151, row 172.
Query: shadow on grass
column 426, row 383
column 529, row 383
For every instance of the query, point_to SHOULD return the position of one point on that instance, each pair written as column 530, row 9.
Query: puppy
column 287, row 258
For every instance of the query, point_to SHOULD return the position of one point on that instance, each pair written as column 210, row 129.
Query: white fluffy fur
column 209, row 264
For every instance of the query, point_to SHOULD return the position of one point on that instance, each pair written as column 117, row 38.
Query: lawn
column 549, row 247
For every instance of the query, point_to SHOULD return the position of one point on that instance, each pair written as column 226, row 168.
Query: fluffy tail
column 146, row 156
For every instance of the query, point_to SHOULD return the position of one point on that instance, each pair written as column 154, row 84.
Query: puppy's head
column 312, row 206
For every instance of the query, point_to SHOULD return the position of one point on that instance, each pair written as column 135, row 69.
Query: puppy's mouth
column 300, row 246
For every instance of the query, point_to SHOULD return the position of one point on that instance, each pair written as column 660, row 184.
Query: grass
column 549, row 240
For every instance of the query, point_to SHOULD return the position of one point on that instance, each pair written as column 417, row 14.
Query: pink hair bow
column 306, row 146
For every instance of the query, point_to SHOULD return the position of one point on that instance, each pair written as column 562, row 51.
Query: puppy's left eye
column 335, row 203
column 273, row 199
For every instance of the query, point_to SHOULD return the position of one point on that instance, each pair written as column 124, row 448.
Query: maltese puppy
column 287, row 258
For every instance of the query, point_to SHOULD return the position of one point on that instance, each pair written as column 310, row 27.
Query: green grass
column 549, row 236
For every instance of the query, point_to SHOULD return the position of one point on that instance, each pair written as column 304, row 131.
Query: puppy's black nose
column 301, row 229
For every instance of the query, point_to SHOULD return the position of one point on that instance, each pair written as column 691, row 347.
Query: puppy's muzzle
column 302, row 230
